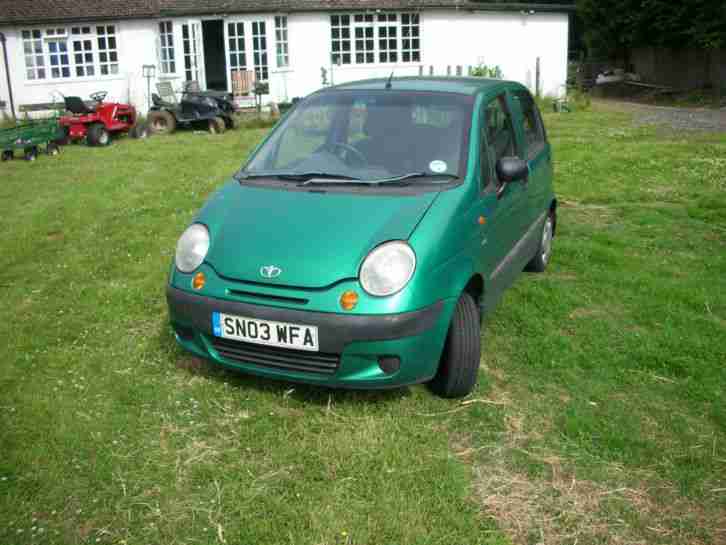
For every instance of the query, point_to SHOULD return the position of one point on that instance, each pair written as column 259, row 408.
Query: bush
column 484, row 71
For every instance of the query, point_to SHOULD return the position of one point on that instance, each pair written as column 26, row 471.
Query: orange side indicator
column 482, row 220
column 349, row 300
column 198, row 281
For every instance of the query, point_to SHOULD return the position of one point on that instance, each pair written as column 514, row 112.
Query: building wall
column 136, row 46
column 512, row 41
column 449, row 38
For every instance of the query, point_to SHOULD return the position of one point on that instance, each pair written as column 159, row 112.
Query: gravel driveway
column 689, row 119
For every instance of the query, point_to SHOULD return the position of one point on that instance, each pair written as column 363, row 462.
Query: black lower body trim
column 336, row 330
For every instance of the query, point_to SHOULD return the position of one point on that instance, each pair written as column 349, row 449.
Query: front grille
column 277, row 358
column 268, row 297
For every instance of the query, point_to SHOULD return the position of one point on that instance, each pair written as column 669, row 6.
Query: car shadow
column 304, row 393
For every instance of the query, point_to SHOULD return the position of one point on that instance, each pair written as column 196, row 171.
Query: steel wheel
column 546, row 246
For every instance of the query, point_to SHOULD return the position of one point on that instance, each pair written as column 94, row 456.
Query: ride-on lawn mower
column 213, row 113
column 97, row 124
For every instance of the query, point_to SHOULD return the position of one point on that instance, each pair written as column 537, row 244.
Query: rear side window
column 498, row 138
column 534, row 134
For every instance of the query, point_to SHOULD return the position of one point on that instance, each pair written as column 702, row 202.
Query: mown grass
column 599, row 416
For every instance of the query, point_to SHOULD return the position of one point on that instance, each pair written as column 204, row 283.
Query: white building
column 78, row 47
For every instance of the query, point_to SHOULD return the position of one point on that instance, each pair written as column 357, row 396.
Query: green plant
column 485, row 71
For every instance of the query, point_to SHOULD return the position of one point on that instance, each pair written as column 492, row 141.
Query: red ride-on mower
column 97, row 124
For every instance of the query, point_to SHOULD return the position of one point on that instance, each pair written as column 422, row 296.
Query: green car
column 368, row 235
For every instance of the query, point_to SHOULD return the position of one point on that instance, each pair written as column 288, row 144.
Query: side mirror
column 512, row 169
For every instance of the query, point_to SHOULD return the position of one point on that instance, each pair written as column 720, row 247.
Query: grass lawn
column 600, row 416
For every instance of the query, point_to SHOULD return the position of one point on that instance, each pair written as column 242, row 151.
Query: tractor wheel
column 31, row 153
column 98, row 135
column 161, row 122
column 216, row 125
column 140, row 130
column 7, row 155
column 52, row 149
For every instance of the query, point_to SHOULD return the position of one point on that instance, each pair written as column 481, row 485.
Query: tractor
column 204, row 110
column 98, row 123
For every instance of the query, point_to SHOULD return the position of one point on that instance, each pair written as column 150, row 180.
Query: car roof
column 440, row 84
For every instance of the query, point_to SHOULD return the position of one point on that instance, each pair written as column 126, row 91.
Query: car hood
column 315, row 238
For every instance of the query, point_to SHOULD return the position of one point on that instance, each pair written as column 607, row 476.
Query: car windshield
column 369, row 136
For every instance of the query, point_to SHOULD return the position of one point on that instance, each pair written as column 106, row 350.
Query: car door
column 537, row 152
column 503, row 205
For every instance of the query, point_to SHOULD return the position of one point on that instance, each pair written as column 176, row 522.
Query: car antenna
column 388, row 83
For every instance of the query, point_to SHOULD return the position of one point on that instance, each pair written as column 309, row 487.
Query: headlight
column 192, row 248
column 388, row 268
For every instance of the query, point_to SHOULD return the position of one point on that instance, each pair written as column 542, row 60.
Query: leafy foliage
column 622, row 24
column 485, row 71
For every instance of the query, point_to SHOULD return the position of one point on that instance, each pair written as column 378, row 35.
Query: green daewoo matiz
column 367, row 236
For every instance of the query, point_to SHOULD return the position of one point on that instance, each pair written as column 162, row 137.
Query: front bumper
column 355, row 341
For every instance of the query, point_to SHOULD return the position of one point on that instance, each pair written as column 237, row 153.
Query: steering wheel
column 350, row 151
column 98, row 96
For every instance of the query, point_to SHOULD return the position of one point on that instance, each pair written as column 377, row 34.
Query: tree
column 615, row 27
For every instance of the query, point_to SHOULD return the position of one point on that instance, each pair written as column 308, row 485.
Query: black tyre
column 231, row 122
column 140, row 131
column 52, row 149
column 217, row 126
column 7, row 155
column 544, row 251
column 97, row 135
column 161, row 122
column 459, row 363
column 31, row 153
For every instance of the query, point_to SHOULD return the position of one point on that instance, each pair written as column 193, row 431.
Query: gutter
column 352, row 6
column 7, row 74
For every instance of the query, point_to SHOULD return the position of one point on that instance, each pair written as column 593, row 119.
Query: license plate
column 267, row 332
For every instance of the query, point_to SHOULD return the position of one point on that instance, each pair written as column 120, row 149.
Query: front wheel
column 216, row 125
column 139, row 131
column 31, row 153
column 161, row 122
column 544, row 251
column 98, row 135
column 459, row 365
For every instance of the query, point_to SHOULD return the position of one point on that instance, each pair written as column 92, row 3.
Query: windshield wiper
column 400, row 180
column 411, row 175
column 294, row 176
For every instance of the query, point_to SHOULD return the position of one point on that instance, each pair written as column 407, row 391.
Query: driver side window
column 306, row 132
column 497, row 139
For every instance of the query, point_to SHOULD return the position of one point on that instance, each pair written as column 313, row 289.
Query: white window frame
column 167, row 53
column 237, row 46
column 395, row 37
column 46, row 61
column 364, row 38
column 341, row 34
column 260, row 51
column 411, row 35
column 33, row 51
column 282, row 43
column 82, row 48
column 107, row 49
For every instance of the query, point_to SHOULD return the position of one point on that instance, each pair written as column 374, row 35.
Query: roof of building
column 449, row 84
column 46, row 11
column 43, row 11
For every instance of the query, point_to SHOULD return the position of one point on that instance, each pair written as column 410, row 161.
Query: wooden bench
column 41, row 107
